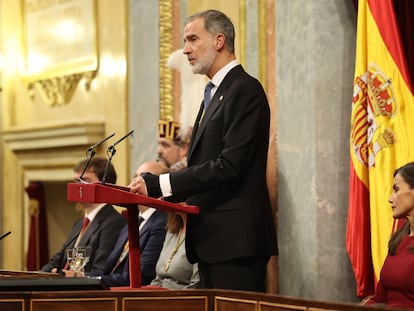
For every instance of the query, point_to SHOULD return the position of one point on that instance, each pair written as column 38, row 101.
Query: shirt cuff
column 165, row 185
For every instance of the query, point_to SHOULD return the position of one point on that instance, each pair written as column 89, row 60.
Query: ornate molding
column 59, row 90
column 47, row 137
column 166, row 48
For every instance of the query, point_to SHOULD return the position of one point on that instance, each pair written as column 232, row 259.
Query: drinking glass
column 82, row 256
column 70, row 257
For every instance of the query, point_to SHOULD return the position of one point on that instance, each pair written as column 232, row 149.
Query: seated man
column 100, row 227
column 151, row 238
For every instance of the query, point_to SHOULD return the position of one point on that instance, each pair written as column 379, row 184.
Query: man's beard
column 160, row 159
column 204, row 64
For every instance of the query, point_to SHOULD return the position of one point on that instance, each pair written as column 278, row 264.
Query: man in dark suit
column 102, row 230
column 151, row 238
column 234, row 235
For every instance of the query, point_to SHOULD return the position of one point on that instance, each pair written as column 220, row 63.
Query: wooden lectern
column 121, row 196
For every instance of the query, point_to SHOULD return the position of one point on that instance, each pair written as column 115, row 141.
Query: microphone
column 112, row 147
column 91, row 151
column 111, row 152
column 99, row 143
column 4, row 235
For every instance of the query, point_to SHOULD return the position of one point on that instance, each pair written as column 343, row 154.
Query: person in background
column 102, row 223
column 233, row 236
column 152, row 231
column 172, row 145
column 395, row 288
column 173, row 269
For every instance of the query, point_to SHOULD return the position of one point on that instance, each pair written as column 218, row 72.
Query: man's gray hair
column 216, row 22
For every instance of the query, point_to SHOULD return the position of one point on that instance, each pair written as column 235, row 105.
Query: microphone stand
column 111, row 152
column 91, row 152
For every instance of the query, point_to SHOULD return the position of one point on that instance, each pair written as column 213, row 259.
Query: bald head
column 152, row 167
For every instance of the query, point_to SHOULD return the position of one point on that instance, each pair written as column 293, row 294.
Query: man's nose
column 186, row 49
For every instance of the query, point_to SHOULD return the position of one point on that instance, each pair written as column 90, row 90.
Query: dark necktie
column 140, row 220
column 207, row 94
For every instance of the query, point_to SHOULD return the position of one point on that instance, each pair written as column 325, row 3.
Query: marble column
column 315, row 45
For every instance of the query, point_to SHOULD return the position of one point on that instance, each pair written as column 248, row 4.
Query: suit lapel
column 94, row 225
column 195, row 129
column 74, row 235
column 148, row 223
column 120, row 246
column 215, row 103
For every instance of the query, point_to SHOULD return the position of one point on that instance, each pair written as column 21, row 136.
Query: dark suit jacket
column 226, row 175
column 100, row 235
column 151, row 239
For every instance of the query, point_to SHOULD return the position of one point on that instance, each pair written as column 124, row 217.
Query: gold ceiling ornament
column 59, row 90
column 166, row 48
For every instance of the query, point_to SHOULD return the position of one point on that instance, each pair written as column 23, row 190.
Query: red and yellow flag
column 381, row 138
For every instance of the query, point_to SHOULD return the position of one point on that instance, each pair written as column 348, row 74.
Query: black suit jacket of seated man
column 151, row 239
column 100, row 235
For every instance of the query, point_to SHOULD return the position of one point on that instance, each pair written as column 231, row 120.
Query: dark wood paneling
column 74, row 304
column 222, row 303
column 12, row 305
column 268, row 306
column 165, row 300
column 184, row 303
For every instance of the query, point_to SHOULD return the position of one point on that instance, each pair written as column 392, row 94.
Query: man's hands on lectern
column 138, row 186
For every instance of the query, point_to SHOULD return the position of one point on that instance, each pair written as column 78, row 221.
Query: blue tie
column 207, row 94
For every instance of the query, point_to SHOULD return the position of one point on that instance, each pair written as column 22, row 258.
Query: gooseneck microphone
column 111, row 152
column 90, row 153
column 4, row 235
column 91, row 148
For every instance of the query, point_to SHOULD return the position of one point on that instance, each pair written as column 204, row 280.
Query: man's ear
column 184, row 150
column 220, row 41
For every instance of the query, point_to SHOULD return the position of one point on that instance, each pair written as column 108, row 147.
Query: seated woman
column 396, row 284
column 173, row 270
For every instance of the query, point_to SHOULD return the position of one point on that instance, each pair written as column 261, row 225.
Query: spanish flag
column 381, row 138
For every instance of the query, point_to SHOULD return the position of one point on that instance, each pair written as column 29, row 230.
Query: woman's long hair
column 174, row 222
column 407, row 173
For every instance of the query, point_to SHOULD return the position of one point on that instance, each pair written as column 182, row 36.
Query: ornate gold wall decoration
column 59, row 90
column 60, row 47
column 166, row 48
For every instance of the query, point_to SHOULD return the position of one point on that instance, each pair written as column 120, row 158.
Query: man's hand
column 69, row 273
column 138, row 186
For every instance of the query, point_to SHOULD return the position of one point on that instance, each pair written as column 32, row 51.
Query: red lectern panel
column 118, row 195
